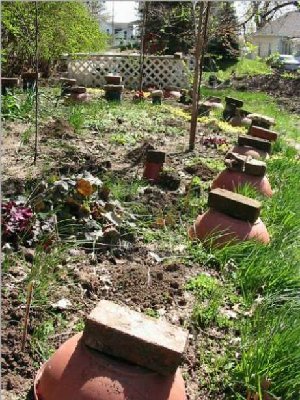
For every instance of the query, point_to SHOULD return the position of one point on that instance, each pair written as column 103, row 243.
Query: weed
column 151, row 312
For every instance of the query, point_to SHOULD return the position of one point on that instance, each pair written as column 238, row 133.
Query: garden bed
column 152, row 266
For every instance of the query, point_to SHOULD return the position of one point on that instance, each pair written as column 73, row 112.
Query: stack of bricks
column 113, row 88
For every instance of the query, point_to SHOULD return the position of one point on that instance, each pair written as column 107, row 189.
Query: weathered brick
column 257, row 143
column 113, row 79
column 263, row 133
column 255, row 167
column 241, row 163
column 145, row 341
column 234, row 204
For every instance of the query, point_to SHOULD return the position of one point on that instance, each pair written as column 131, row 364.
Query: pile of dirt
column 138, row 155
column 58, row 128
column 201, row 170
column 276, row 85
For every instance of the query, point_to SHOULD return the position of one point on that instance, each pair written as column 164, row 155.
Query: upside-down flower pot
column 29, row 80
column 76, row 372
column 232, row 180
column 8, row 84
column 222, row 229
column 250, row 151
column 154, row 165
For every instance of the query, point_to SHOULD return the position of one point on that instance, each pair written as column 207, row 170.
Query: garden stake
column 28, row 304
column 199, row 45
column 36, row 85
column 142, row 52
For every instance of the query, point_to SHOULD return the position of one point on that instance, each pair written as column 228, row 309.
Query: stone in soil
column 234, row 204
column 145, row 341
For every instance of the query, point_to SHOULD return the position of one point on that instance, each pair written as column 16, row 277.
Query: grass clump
column 269, row 278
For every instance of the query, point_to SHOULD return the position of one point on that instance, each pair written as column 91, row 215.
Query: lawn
column 127, row 241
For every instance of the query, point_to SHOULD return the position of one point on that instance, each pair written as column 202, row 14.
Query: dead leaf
column 84, row 187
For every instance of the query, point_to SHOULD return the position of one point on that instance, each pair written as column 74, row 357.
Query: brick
column 261, row 120
column 113, row 88
column 234, row 204
column 255, row 167
column 77, row 89
column 135, row 337
column 263, row 133
column 113, row 79
column 235, row 102
column 257, row 143
column 154, row 156
column 157, row 93
column 247, row 164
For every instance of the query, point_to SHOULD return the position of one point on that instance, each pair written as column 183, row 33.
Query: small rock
column 7, row 249
column 28, row 254
column 174, row 285
column 160, row 276
column 111, row 235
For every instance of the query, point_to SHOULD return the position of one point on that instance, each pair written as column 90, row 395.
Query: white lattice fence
column 163, row 71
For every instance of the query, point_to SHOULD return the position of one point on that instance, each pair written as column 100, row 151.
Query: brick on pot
column 118, row 331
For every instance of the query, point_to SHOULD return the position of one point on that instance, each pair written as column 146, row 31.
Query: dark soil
column 286, row 90
column 201, row 170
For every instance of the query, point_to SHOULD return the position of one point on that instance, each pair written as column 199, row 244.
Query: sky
column 124, row 11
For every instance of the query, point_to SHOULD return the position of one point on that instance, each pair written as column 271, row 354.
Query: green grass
column 269, row 278
column 287, row 124
column 243, row 67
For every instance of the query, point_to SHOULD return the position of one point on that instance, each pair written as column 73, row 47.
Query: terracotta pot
column 8, row 84
column 76, row 372
column 222, row 229
column 231, row 180
column 250, row 151
column 78, row 97
column 154, row 165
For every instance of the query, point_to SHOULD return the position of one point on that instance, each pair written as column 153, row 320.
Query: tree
column 262, row 12
column 223, row 43
column 63, row 27
column 171, row 27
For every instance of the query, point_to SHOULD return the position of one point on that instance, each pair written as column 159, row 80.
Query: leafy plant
column 16, row 221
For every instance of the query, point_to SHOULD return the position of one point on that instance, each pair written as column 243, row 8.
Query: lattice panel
column 162, row 72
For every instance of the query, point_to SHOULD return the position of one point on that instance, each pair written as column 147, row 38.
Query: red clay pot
column 231, row 180
column 76, row 372
column 250, row 151
column 154, row 165
column 79, row 97
column 223, row 229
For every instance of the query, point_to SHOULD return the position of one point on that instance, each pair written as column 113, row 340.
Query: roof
column 288, row 25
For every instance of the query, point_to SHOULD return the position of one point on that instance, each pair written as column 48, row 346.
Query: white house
column 281, row 35
column 122, row 32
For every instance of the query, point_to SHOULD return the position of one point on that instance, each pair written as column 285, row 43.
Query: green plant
column 65, row 27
